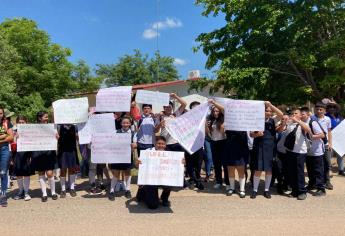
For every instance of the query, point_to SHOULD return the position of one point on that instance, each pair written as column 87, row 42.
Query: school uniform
column 125, row 166
column 43, row 160
column 22, row 164
column 264, row 147
column 282, row 163
column 193, row 165
column 67, row 147
column 314, row 160
column 236, row 150
column 296, row 159
column 146, row 133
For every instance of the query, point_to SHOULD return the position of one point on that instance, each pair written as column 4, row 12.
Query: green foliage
column 282, row 50
column 138, row 69
column 82, row 76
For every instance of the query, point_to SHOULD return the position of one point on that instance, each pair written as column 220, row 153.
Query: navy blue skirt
column 122, row 166
column 68, row 160
column 22, row 164
column 43, row 160
column 236, row 151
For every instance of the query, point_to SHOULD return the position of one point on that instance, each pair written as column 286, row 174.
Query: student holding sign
column 44, row 162
column 125, row 167
column 264, row 150
column 149, row 193
column 67, row 157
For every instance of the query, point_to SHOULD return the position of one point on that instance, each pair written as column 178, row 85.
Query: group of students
column 281, row 150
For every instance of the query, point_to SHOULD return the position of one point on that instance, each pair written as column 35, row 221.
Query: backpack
column 324, row 139
column 290, row 139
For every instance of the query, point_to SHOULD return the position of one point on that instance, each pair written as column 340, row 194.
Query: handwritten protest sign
column 98, row 123
column 151, row 97
column 111, row 148
column 338, row 140
column 189, row 129
column 71, row 111
column 161, row 168
column 114, row 99
column 244, row 115
column 36, row 137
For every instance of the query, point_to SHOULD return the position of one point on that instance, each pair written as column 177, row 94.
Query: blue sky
column 100, row 31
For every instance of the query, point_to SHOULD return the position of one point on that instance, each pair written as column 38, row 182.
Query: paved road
column 192, row 213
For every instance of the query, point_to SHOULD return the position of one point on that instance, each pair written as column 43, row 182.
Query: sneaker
column 253, row 195
column 227, row 187
column 302, row 196
column 328, row 185
column 3, row 201
column 27, row 197
column 199, row 186
column 242, row 194
column 73, row 193
column 111, row 196
column 319, row 193
column 54, row 196
column 166, row 203
column 341, row 173
column 95, row 190
column 44, row 198
column 267, row 195
column 229, row 192
column 63, row 194
column 128, row 194
column 217, row 186
column 19, row 196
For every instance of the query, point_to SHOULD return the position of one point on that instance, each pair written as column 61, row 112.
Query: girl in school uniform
column 264, row 150
column 67, row 157
column 22, row 168
column 235, row 155
column 125, row 168
column 44, row 162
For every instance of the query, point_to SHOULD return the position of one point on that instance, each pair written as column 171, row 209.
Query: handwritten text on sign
column 150, row 97
column 36, row 137
column 244, row 115
column 338, row 140
column 161, row 168
column 111, row 148
column 189, row 129
column 114, row 99
column 71, row 111
column 97, row 123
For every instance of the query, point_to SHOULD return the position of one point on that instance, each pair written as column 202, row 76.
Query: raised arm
column 216, row 104
column 180, row 100
column 279, row 113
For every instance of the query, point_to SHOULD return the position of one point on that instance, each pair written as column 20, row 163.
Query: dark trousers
column 326, row 167
column 149, row 195
column 142, row 146
column 280, row 171
column 176, row 147
column 193, row 164
column 217, row 148
column 315, row 171
column 296, row 172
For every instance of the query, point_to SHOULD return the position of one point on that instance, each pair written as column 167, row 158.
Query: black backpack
column 291, row 139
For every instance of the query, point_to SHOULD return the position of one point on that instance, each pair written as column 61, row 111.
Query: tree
column 138, row 69
column 85, row 81
column 282, row 50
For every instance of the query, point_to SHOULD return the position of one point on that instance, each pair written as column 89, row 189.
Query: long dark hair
column 39, row 115
column 219, row 121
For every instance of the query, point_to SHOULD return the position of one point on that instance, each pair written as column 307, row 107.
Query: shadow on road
column 135, row 207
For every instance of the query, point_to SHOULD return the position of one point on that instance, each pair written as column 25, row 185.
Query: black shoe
column 166, row 203
column 328, row 185
column 242, row 194
column 73, row 193
column 54, row 196
column 63, row 194
column 230, row 192
column 111, row 196
column 311, row 187
column 128, row 194
column 302, row 196
column 253, row 196
column 44, row 198
column 267, row 195
column 342, row 173
column 200, row 186
column 280, row 191
column 3, row 201
column 95, row 191
column 319, row 193
column 102, row 187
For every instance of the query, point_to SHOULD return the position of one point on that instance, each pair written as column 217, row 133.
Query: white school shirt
column 146, row 132
column 300, row 142
column 317, row 146
column 325, row 122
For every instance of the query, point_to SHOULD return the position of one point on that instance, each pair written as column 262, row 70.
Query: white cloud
column 180, row 62
column 169, row 23
column 150, row 34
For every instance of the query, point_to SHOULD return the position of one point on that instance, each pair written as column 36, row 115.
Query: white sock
column 268, row 179
column 113, row 184
column 242, row 184
column 20, row 185
column 72, row 181
column 52, row 185
column 42, row 179
column 92, row 176
column 63, row 183
column 128, row 182
column 232, row 183
column 26, row 184
column 256, row 181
